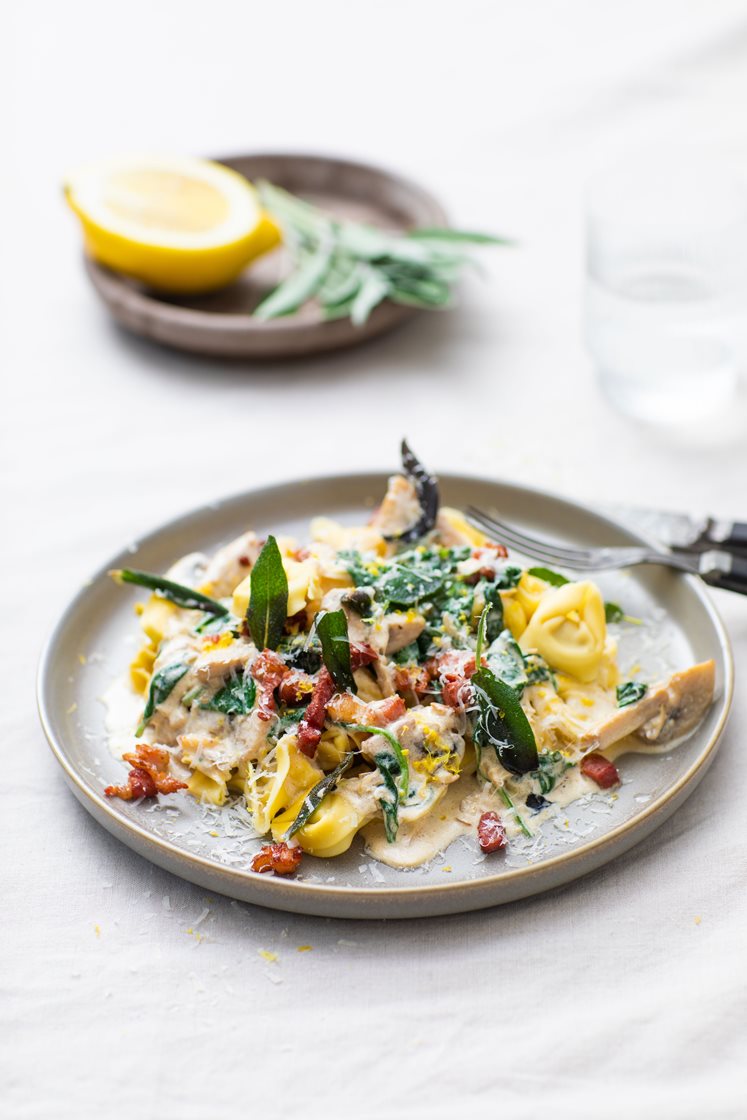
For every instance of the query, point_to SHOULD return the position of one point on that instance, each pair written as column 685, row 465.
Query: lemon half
column 182, row 225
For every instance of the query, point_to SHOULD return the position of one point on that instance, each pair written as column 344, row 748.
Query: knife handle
column 729, row 534
column 732, row 578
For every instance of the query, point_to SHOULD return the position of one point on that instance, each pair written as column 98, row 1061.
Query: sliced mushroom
column 667, row 711
column 404, row 627
column 411, row 502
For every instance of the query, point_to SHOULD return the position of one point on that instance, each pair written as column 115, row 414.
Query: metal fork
column 719, row 569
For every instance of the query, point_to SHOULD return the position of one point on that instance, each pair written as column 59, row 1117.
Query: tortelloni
column 280, row 782
column 329, row 830
column 568, row 629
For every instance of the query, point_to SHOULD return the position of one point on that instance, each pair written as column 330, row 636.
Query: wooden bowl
column 221, row 323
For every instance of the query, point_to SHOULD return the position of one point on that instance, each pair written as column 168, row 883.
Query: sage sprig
column 315, row 796
column 350, row 268
column 332, row 632
column 164, row 588
column 268, row 597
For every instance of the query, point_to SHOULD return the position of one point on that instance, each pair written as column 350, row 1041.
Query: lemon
column 181, row 225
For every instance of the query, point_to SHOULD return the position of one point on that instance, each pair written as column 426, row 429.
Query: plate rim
column 98, row 805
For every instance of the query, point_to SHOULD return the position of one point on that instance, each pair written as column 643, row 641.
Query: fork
column 716, row 568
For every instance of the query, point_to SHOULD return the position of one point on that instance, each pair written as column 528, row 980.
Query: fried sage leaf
column 161, row 686
column 426, row 488
column 502, row 723
column 164, row 588
column 315, row 796
column 268, row 598
column 332, row 632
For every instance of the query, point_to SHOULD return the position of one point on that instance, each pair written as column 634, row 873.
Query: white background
column 620, row 995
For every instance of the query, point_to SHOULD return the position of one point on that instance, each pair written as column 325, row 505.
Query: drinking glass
column 666, row 266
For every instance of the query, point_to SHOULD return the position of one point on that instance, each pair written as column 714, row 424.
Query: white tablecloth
column 127, row 992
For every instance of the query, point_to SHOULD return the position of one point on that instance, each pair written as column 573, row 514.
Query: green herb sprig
column 268, row 597
column 332, row 632
column 350, row 268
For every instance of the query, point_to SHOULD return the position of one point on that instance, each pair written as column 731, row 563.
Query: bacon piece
column 361, row 654
column 490, row 546
column 295, row 687
column 411, row 678
column 268, row 671
column 149, row 776
column 278, row 858
column 490, row 833
column 347, row 708
column 600, row 770
column 454, row 669
column 310, row 727
column 300, row 554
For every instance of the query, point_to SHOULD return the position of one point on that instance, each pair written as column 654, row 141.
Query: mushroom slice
column 403, row 628
column 667, row 711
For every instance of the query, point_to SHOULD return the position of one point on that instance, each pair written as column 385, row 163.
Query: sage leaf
column 161, row 686
column 372, row 291
column 460, row 236
column 502, row 723
column 268, row 599
column 332, row 632
column 300, row 286
column 315, row 796
column 164, row 588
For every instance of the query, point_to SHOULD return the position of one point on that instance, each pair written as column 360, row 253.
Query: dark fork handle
column 735, row 579
column 736, row 535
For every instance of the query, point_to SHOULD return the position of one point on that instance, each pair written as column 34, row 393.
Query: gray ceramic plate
column 221, row 323
column 680, row 627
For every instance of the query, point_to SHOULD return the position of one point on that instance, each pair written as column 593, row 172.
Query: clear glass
column 666, row 267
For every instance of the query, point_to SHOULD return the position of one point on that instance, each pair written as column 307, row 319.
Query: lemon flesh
column 179, row 225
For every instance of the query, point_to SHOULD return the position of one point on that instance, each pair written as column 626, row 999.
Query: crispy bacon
column 350, row 709
column 454, row 669
column 361, row 654
column 490, row 833
column 295, row 687
column 149, row 774
column 412, row 678
column 268, row 671
column 310, row 727
column 278, row 858
column 600, row 770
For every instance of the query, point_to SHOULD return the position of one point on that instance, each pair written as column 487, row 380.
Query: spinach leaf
column 502, row 723
column 390, row 771
column 268, row 599
column 552, row 766
column 538, row 670
column 630, row 693
column 549, row 576
column 399, row 754
column 160, row 687
column 613, row 613
column 506, row 661
column 234, row 699
column 315, row 796
column 332, row 631
column 164, row 588
column 509, row 577
column 404, row 586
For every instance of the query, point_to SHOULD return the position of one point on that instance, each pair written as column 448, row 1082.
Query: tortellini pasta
column 329, row 830
column 568, row 629
column 278, row 785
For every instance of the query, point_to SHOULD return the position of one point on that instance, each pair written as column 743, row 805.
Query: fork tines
column 541, row 550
